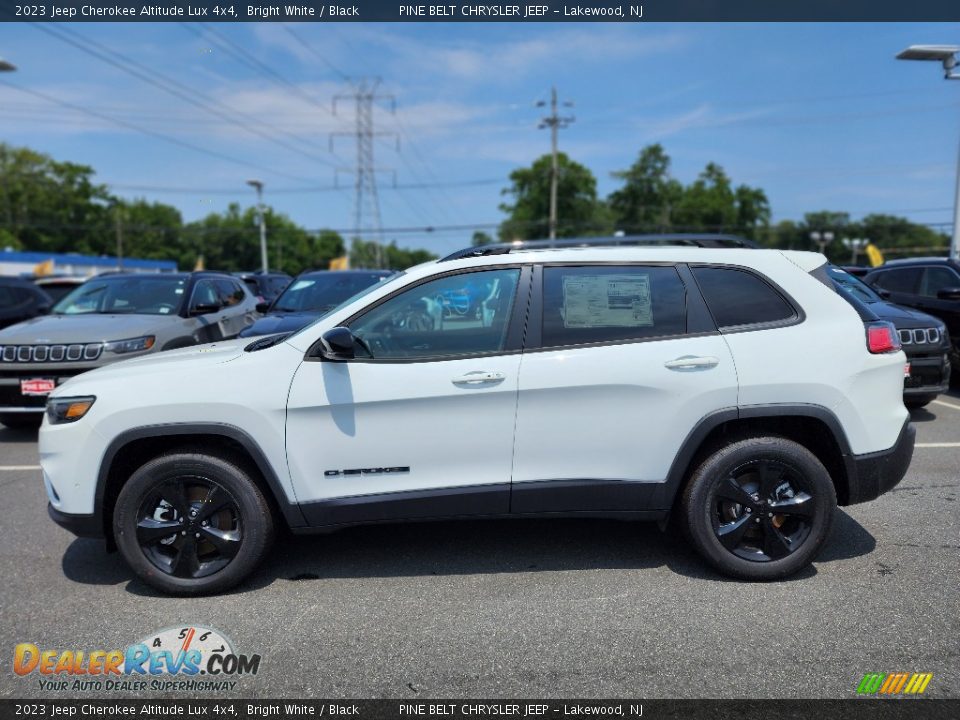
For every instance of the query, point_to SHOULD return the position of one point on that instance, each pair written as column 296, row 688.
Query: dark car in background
column 928, row 284
column 265, row 287
column 58, row 286
column 310, row 295
column 924, row 338
column 21, row 300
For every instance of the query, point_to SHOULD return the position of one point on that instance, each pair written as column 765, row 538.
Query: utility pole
column 119, row 226
column 366, row 202
column 555, row 123
column 262, row 220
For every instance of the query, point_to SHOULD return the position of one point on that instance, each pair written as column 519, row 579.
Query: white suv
column 732, row 389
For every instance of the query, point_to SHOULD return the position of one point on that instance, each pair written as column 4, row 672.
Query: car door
column 621, row 363
column 935, row 279
column 235, row 316
column 421, row 422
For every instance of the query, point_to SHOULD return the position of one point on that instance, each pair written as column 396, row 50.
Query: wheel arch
column 132, row 448
column 812, row 426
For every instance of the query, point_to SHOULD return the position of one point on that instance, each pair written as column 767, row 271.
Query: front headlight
column 132, row 345
column 68, row 409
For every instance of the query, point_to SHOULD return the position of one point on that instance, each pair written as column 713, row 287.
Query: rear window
column 738, row 297
column 611, row 303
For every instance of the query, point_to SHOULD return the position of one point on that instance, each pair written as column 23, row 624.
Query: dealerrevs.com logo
column 899, row 683
column 191, row 658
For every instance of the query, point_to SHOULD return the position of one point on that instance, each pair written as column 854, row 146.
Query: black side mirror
column 338, row 344
column 205, row 308
column 262, row 307
column 885, row 294
column 948, row 293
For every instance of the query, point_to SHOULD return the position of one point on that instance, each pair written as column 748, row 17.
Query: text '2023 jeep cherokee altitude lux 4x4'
column 733, row 387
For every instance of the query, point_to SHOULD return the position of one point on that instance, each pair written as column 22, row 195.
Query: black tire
column 217, row 503
column 764, row 474
column 916, row 402
column 17, row 421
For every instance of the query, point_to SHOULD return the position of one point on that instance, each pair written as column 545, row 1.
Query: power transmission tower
column 366, row 203
column 555, row 123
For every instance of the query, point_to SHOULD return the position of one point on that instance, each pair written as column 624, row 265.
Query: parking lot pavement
column 526, row 608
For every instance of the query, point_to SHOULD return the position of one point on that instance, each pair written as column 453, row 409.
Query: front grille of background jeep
column 919, row 336
column 50, row 353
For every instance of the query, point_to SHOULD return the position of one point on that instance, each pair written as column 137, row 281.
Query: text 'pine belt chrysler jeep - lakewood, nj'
column 731, row 390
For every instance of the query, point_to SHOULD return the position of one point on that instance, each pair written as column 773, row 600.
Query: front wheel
column 191, row 524
column 760, row 508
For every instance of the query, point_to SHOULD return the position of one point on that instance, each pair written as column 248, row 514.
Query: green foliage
column 645, row 202
column 480, row 238
column 578, row 208
column 374, row 255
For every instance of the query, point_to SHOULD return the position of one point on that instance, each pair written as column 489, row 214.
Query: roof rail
column 688, row 239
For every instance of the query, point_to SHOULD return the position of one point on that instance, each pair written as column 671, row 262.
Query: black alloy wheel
column 190, row 527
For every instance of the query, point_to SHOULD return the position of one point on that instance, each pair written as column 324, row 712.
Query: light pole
column 822, row 239
column 6, row 66
column 258, row 186
column 946, row 55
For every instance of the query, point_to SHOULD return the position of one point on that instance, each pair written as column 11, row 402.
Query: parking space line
column 15, row 468
column 946, row 404
column 937, row 445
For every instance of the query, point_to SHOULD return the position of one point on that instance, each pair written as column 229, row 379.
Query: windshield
column 145, row 295
column 322, row 293
column 853, row 285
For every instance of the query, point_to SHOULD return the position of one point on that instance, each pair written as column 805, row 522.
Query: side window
column 205, row 293
column 903, row 280
column 7, row 298
column 737, row 297
column 936, row 279
column 229, row 292
column 464, row 314
column 591, row 304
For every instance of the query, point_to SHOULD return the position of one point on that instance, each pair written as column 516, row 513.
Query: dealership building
column 13, row 262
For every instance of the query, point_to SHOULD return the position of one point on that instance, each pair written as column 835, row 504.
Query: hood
column 69, row 329
column 280, row 323
column 904, row 318
column 179, row 361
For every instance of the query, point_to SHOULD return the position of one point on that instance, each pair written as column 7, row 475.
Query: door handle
column 478, row 378
column 688, row 362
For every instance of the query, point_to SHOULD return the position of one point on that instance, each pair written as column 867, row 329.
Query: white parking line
column 935, row 445
column 15, row 468
column 946, row 404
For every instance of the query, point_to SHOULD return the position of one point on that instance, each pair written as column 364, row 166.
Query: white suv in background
column 732, row 389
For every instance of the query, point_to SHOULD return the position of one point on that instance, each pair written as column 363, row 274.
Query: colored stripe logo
column 894, row 683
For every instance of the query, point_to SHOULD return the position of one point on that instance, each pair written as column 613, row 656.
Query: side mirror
column 338, row 344
column 948, row 293
column 262, row 307
column 205, row 308
column 885, row 294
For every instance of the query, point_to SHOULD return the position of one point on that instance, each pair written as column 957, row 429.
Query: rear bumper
column 88, row 526
column 928, row 376
column 870, row 476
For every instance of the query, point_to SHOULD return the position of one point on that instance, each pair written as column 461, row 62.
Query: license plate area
column 37, row 387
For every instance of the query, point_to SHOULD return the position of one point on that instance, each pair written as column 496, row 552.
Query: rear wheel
column 190, row 523
column 21, row 420
column 760, row 508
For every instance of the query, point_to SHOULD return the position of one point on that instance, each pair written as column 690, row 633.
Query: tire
column 761, row 473
column 918, row 401
column 29, row 421
column 227, row 507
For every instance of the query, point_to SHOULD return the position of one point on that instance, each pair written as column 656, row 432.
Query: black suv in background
column 21, row 300
column 928, row 284
column 924, row 338
column 265, row 287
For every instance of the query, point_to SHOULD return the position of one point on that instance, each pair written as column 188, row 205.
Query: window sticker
column 591, row 301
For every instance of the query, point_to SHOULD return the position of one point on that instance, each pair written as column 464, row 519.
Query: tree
column 480, row 238
column 579, row 212
column 370, row 254
column 646, row 200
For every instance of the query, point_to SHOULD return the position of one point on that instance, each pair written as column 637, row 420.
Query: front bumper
column 870, row 476
column 88, row 526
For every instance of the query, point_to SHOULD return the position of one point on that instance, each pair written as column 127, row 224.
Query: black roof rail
column 687, row 239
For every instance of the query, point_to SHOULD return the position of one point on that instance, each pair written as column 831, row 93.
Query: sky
column 820, row 116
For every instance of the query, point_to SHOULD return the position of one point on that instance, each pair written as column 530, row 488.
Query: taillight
column 882, row 337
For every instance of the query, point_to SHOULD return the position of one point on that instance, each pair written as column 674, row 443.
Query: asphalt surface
column 555, row 609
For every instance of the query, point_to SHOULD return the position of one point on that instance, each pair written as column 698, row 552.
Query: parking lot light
column 947, row 56
column 258, row 186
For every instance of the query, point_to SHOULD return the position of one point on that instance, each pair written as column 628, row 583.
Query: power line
column 298, row 190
